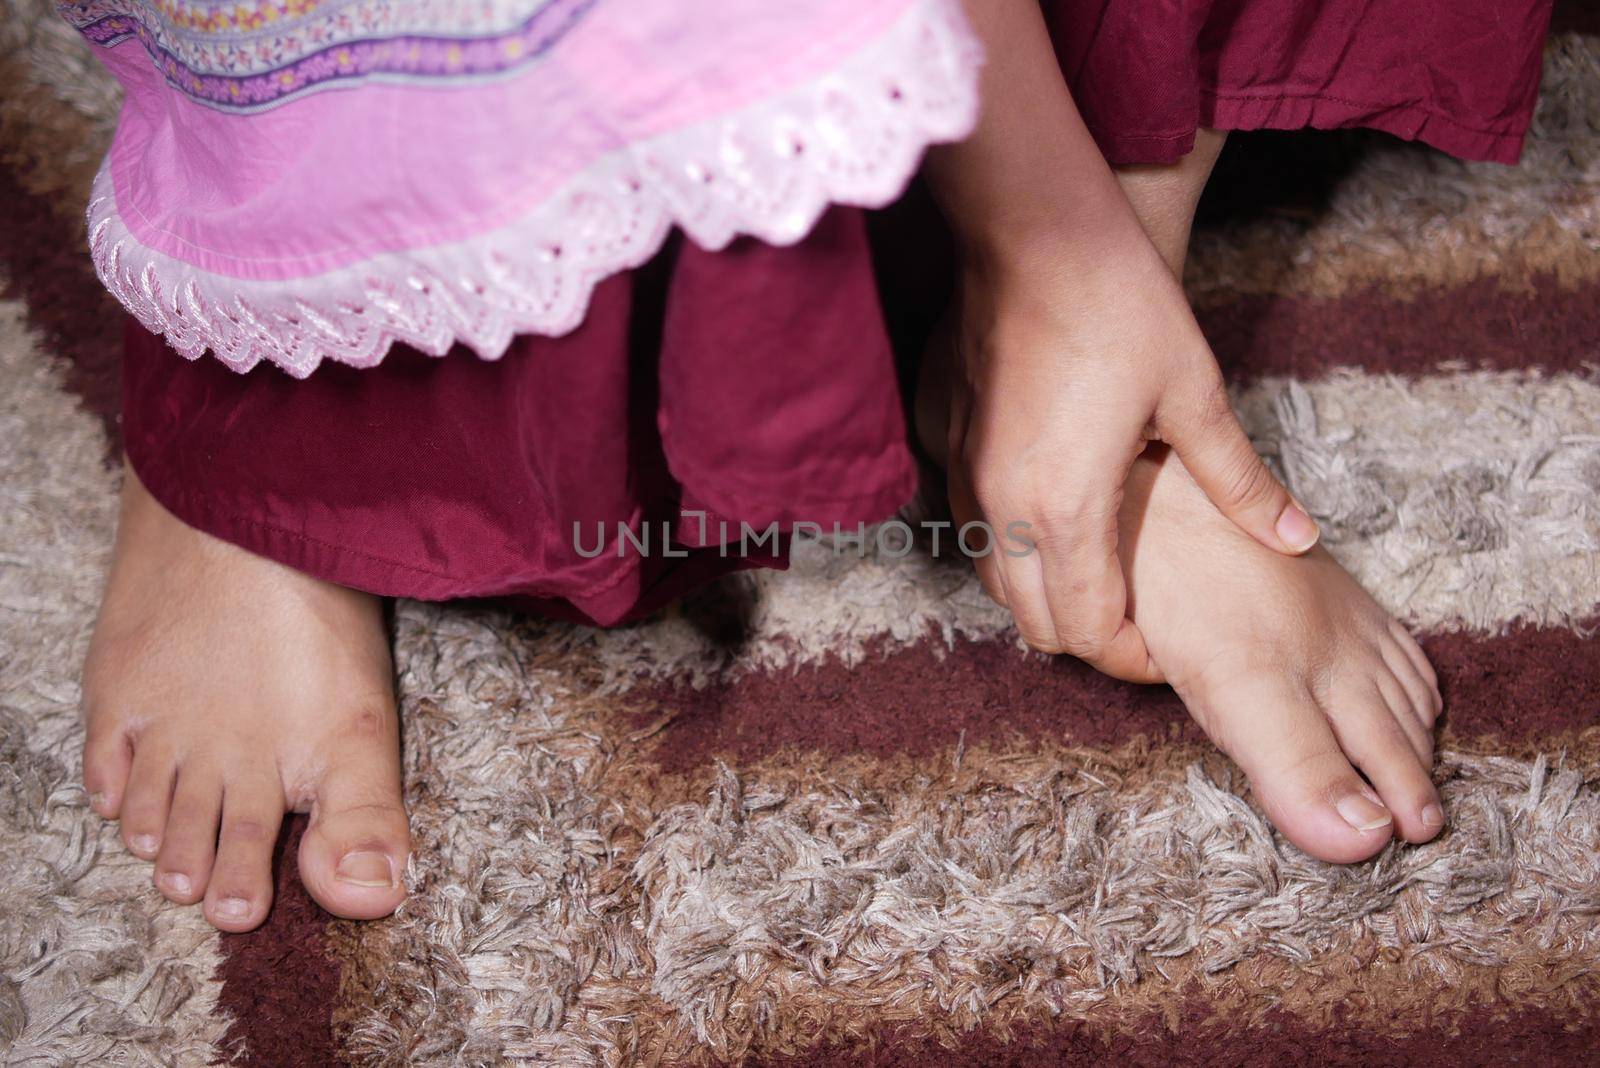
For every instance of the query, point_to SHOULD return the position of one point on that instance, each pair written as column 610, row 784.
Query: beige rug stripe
column 1408, row 219
column 574, row 907
column 1463, row 501
column 95, row 967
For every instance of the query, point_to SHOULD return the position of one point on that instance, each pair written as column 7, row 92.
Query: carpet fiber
column 837, row 816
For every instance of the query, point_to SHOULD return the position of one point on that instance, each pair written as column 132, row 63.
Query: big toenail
column 144, row 843
column 1297, row 529
column 177, row 882
column 232, row 908
column 1361, row 813
column 365, row 869
column 1432, row 816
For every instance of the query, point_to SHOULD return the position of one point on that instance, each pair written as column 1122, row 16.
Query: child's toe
column 1276, row 732
column 240, row 890
column 147, row 798
column 107, row 760
column 1419, row 662
column 353, row 856
column 1422, row 696
column 189, row 846
column 1397, row 699
column 1374, row 735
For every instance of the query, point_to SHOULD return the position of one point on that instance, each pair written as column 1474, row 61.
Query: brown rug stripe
column 1527, row 685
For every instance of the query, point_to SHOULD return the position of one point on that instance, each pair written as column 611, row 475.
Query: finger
column 1218, row 455
column 1088, row 595
column 963, row 513
column 1028, row 600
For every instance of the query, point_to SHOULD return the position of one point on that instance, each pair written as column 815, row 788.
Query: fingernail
column 1432, row 816
column 1362, row 813
column 1296, row 529
column 232, row 908
column 144, row 843
column 365, row 869
column 177, row 882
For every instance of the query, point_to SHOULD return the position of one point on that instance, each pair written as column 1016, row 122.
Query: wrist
column 1073, row 234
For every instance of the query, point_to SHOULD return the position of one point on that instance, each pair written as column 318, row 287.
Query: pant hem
column 1289, row 111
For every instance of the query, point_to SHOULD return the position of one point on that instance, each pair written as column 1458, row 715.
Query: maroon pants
column 753, row 385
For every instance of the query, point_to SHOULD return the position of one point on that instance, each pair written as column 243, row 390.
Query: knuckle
column 1213, row 407
column 1081, row 641
column 1067, row 529
column 990, row 501
column 1244, row 479
column 249, row 829
column 1039, row 638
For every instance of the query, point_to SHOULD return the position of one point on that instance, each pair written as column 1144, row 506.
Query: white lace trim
column 853, row 136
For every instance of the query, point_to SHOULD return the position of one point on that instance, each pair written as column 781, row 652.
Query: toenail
column 1362, row 813
column 232, row 908
column 1432, row 816
column 99, row 802
column 177, row 882
column 144, row 843
column 365, row 869
column 1296, row 528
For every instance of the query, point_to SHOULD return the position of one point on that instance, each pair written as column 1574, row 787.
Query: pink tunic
column 301, row 180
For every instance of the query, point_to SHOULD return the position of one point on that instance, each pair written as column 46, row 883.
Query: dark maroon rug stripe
column 46, row 258
column 1486, row 1038
column 1527, row 684
column 280, row 982
column 1481, row 325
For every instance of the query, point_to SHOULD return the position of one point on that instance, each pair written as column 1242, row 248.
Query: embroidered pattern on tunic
column 246, row 56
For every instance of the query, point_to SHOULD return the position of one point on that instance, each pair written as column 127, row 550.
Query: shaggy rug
column 836, row 816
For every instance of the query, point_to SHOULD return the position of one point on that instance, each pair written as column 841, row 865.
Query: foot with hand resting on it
column 1288, row 665
column 223, row 690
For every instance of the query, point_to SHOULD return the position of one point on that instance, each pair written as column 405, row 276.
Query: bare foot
column 1288, row 665
column 223, row 690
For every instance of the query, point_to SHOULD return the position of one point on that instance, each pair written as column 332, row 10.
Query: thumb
column 1219, row 457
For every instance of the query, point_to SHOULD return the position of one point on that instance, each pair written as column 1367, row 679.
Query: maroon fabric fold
column 1461, row 75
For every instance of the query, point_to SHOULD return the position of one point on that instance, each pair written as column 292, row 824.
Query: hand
column 1064, row 368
